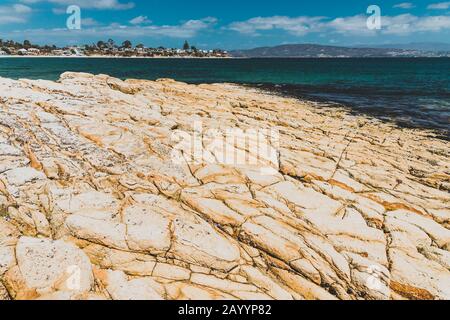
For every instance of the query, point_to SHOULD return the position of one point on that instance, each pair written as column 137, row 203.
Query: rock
column 147, row 230
column 19, row 176
column 197, row 242
column 45, row 266
column 267, row 284
column 107, row 233
column 165, row 190
column 215, row 210
column 3, row 293
column 172, row 272
column 120, row 288
column 305, row 288
column 8, row 240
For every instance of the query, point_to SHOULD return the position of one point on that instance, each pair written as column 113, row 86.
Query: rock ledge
column 135, row 189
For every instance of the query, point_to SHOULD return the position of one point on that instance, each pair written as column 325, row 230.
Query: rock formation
column 110, row 189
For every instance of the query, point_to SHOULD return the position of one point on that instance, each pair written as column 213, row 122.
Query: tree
column 186, row 45
column 127, row 44
column 27, row 44
column 101, row 45
column 194, row 49
column 140, row 46
column 111, row 43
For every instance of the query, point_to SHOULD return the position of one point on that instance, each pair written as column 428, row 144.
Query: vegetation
column 105, row 48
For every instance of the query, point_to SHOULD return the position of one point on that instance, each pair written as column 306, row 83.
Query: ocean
column 410, row 92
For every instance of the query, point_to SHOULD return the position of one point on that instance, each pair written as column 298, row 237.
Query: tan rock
column 120, row 288
column 147, row 230
column 197, row 242
column 172, row 272
column 45, row 266
column 334, row 206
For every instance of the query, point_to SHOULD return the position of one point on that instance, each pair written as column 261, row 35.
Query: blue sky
column 230, row 24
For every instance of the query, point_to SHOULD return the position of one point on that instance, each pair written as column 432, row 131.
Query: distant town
column 106, row 49
column 127, row 49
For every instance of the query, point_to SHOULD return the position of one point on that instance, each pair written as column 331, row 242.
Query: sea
column 412, row 92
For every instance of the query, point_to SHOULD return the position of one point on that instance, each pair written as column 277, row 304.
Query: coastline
column 350, row 108
column 109, row 57
column 97, row 171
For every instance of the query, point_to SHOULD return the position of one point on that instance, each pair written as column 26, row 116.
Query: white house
column 34, row 51
column 22, row 52
column 57, row 52
column 76, row 51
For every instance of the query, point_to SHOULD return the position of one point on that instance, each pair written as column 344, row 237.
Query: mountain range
column 323, row 51
column 423, row 46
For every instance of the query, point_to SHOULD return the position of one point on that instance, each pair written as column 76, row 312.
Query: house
column 76, row 51
column 57, row 52
column 22, row 52
column 3, row 53
column 34, row 51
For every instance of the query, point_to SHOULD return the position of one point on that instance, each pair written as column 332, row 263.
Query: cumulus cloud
column 89, row 4
column 295, row 26
column 406, row 24
column 439, row 6
column 89, row 22
column 140, row 20
column 17, row 13
column 403, row 24
column 184, row 30
column 350, row 25
column 405, row 5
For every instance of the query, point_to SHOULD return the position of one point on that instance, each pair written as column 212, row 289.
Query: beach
column 105, row 57
column 138, row 189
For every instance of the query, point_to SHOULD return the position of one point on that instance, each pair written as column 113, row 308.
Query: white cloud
column 17, row 13
column 350, row 25
column 185, row 30
column 296, row 26
column 439, row 6
column 140, row 20
column 404, row 24
column 89, row 4
column 89, row 22
column 405, row 5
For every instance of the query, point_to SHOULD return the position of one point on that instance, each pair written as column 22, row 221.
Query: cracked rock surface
column 99, row 199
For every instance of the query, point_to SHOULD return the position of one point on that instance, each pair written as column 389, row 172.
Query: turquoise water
column 412, row 92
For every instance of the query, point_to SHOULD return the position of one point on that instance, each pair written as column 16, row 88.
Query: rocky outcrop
column 133, row 189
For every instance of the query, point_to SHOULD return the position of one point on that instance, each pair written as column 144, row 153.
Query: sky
column 228, row 24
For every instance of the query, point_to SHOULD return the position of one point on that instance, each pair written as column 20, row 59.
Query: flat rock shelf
column 100, row 200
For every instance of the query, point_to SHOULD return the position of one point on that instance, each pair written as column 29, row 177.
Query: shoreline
column 351, row 108
column 230, row 57
column 109, row 57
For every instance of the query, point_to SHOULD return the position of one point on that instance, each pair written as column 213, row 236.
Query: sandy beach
column 137, row 189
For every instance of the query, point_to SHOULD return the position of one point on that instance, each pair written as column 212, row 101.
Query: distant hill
column 422, row 46
column 318, row 51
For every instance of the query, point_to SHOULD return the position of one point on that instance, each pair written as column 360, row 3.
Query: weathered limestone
column 134, row 189
column 45, row 266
